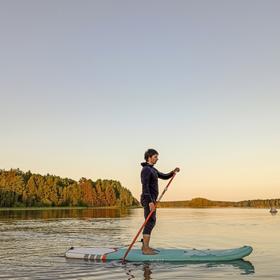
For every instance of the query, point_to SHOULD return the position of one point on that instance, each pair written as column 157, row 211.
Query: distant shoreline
column 131, row 207
column 200, row 202
column 212, row 207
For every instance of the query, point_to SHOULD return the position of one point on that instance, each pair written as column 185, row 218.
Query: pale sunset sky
column 87, row 86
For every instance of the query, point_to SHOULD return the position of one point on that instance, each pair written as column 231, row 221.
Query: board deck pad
column 175, row 255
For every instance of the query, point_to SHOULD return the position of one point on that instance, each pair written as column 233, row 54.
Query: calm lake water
column 33, row 243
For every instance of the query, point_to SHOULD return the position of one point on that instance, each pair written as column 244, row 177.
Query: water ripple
column 34, row 248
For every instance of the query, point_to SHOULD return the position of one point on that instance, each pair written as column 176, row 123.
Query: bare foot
column 151, row 249
column 148, row 251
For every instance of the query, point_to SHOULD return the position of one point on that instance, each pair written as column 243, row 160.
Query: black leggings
column 152, row 221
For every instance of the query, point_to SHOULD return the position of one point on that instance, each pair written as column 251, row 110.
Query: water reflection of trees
column 46, row 214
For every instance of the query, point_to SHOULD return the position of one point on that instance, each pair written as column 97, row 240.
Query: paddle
column 147, row 219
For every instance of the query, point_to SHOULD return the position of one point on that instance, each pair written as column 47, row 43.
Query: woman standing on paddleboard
column 149, row 179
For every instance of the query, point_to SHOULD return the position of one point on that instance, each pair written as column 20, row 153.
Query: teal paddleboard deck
column 169, row 255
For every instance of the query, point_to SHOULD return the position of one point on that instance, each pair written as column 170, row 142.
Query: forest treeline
column 25, row 189
column 205, row 203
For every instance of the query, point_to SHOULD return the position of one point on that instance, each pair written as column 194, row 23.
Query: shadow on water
column 47, row 214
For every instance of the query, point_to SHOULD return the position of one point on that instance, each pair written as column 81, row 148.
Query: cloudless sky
column 87, row 86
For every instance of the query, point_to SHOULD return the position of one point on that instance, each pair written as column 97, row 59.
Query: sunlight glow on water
column 33, row 242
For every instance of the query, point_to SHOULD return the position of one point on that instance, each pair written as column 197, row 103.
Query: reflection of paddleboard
column 245, row 267
column 171, row 255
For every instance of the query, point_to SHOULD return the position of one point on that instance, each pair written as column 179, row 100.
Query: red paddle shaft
column 147, row 219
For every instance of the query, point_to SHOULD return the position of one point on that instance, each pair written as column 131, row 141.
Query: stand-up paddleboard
column 170, row 255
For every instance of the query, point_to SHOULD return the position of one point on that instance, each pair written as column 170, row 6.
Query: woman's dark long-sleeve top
column 149, row 179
